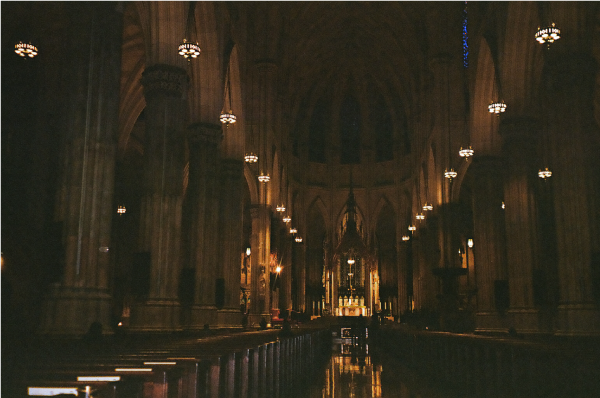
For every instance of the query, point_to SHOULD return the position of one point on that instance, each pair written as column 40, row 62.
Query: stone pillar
column 165, row 90
column 230, row 239
column 84, row 200
column 520, row 220
column 202, row 197
column 489, row 250
column 401, row 263
column 261, row 248
column 576, row 184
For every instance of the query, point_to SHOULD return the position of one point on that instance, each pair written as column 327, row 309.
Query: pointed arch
column 251, row 182
column 233, row 140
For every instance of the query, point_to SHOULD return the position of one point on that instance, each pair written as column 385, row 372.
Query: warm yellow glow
column 248, row 251
column 298, row 239
column 450, row 174
column 287, row 219
column 503, row 206
column 466, row 152
column 420, row 216
column 547, row 35
column 263, row 178
column 133, row 369
column 26, row 49
column 159, row 363
column 188, row 50
column 351, row 261
column 50, row 391
column 251, row 158
column 543, row 174
column 228, row 118
column 412, row 228
column 470, row 243
column 293, row 230
column 98, row 378
column 427, row 207
column 278, row 269
column 121, row 210
column 497, row 107
column 405, row 238
column 280, row 208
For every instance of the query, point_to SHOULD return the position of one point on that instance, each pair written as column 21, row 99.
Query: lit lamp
column 466, row 152
column 450, row 174
column 26, row 49
column 293, row 231
column 278, row 269
column 188, row 50
column 547, row 35
column 121, row 210
column 351, row 261
column 420, row 216
column 405, row 238
column 248, row 251
column 263, row 177
column 228, row 118
column 503, row 205
column 544, row 174
column 470, row 243
column 251, row 158
column 287, row 219
column 280, row 208
column 412, row 228
column 497, row 108
column 427, row 207
column 298, row 239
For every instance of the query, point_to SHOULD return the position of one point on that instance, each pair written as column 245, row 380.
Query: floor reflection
column 353, row 372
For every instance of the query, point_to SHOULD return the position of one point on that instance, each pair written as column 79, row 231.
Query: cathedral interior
column 173, row 166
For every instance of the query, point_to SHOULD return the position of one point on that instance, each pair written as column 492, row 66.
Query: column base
column 155, row 315
column 229, row 317
column 491, row 323
column 71, row 310
column 201, row 315
column 580, row 319
column 524, row 320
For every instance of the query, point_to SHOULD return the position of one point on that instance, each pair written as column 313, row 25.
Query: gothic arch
column 233, row 140
column 251, row 182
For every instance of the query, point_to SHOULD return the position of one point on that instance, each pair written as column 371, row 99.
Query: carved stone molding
column 162, row 80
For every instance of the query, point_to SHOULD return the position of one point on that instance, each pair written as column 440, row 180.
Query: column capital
column 162, row 80
column 208, row 133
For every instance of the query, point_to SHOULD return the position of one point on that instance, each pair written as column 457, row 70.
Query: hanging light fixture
column 405, row 238
column 287, row 219
column 544, row 174
column 293, row 230
column 412, row 228
column 450, row 174
column 227, row 118
column 497, row 108
column 280, row 208
column 420, row 216
column 547, row 35
column 503, row 205
column 298, row 239
column 121, row 210
column 264, row 177
column 189, row 50
column 251, row 158
column 26, row 50
column 427, row 207
column 351, row 261
column 466, row 152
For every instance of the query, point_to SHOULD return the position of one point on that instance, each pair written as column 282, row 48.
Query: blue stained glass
column 465, row 39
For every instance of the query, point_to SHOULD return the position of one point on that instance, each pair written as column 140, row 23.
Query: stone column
column 84, row 200
column 520, row 220
column 202, row 196
column 574, row 154
column 491, row 274
column 230, row 239
column 402, row 265
column 261, row 248
column 165, row 89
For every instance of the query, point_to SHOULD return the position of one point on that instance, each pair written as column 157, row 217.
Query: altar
column 354, row 310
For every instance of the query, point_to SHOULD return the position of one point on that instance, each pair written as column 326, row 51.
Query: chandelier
column 263, row 177
column 298, row 239
column 26, row 49
column 547, row 35
column 280, row 208
column 420, row 216
column 188, row 50
column 427, row 207
column 287, row 219
column 251, row 158
column 293, row 230
column 405, row 238
column 503, row 206
column 543, row 174
column 497, row 107
column 121, row 210
column 450, row 174
column 412, row 228
column 466, row 152
column 227, row 118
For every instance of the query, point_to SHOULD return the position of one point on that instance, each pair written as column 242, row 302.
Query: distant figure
column 263, row 324
column 286, row 329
